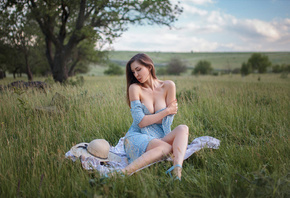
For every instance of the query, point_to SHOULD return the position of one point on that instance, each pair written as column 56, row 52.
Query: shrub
column 162, row 71
column 176, row 66
column 236, row 71
column 77, row 81
column 202, row 67
column 246, row 69
column 277, row 69
column 114, row 70
column 216, row 73
column 285, row 68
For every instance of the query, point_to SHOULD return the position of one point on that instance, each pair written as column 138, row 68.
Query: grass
column 250, row 117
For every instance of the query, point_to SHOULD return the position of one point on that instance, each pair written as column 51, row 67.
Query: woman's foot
column 177, row 172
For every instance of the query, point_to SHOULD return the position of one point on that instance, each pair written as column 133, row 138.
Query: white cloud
column 246, row 28
column 201, row 2
column 219, row 18
column 204, row 30
column 189, row 9
column 259, row 28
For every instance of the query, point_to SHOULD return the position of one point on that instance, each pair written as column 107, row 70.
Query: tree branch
column 64, row 17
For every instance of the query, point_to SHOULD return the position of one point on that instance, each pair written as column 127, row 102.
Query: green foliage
column 161, row 71
column 246, row 69
column 202, row 67
column 67, row 24
column 84, row 55
column 277, row 69
column 281, row 68
column 259, row 62
column 114, row 70
column 76, row 81
column 176, row 66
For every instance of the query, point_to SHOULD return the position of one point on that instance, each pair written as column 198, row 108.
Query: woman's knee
column 159, row 145
column 164, row 148
column 184, row 128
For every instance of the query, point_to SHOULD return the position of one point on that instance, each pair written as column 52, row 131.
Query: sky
column 216, row 26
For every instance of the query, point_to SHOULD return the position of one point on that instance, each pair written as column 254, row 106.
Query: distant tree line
column 258, row 63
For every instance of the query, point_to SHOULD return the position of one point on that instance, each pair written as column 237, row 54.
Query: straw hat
column 98, row 148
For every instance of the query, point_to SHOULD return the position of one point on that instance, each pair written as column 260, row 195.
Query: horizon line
column 199, row 51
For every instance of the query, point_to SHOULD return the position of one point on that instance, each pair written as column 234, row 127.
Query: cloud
column 253, row 28
column 209, row 30
column 192, row 10
column 202, row 29
column 170, row 41
column 202, row 2
column 247, row 29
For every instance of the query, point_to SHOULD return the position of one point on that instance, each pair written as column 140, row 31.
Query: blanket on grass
column 91, row 163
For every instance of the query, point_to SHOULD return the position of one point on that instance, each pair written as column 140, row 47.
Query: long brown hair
column 142, row 59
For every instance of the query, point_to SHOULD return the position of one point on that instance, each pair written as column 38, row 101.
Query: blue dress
column 137, row 139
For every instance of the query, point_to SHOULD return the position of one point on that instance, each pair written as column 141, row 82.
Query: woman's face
column 140, row 72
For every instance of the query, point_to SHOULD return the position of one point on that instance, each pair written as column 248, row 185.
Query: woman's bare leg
column 178, row 138
column 155, row 151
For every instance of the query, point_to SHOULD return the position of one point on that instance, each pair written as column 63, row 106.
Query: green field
column 250, row 117
column 222, row 60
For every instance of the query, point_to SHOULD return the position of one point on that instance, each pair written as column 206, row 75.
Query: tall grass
column 250, row 117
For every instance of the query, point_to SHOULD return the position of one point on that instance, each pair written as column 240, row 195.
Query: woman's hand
column 172, row 107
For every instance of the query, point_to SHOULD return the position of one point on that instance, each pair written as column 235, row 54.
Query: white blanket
column 91, row 163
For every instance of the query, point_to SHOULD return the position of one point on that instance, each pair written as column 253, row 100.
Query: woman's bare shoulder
column 134, row 87
column 134, row 92
column 169, row 84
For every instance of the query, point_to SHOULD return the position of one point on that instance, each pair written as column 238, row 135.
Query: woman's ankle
column 177, row 172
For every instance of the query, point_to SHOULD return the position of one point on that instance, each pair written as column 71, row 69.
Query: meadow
column 249, row 116
column 219, row 60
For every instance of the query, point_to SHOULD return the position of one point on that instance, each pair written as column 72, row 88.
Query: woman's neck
column 151, row 83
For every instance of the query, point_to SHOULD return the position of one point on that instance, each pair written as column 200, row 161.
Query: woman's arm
column 134, row 94
column 171, row 91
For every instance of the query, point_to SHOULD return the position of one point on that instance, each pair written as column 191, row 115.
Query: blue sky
column 216, row 26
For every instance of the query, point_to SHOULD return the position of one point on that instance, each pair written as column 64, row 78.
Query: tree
column 246, row 69
column 176, row 66
column 114, row 69
column 259, row 62
column 66, row 23
column 3, row 60
column 202, row 67
column 19, row 32
column 83, row 55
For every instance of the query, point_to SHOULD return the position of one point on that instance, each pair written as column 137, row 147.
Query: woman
column 153, row 105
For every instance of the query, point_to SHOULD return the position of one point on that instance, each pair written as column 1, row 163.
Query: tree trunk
column 71, row 70
column 1, row 74
column 28, row 71
column 14, row 73
column 60, row 71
